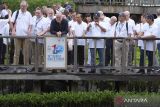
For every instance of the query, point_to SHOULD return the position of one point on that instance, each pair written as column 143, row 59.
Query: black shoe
column 92, row 71
column 141, row 71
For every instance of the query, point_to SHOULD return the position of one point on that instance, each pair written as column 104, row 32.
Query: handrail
column 144, row 3
column 75, row 64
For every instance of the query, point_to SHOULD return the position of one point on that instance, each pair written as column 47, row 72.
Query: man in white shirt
column 39, row 26
column 130, row 22
column 122, row 31
column 79, row 30
column 97, row 29
column 71, row 25
column 22, row 27
column 103, row 18
column 139, row 32
column 157, row 22
column 109, row 42
column 4, row 31
column 151, row 33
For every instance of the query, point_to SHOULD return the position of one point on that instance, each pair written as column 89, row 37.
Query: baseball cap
column 96, row 15
column 150, row 16
column 122, row 14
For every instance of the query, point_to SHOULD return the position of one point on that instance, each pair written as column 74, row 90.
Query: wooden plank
column 65, row 76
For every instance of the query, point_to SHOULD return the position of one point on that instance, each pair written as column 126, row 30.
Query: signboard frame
column 64, row 66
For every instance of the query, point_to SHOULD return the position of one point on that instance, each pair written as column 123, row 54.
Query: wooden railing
column 75, row 67
column 121, row 2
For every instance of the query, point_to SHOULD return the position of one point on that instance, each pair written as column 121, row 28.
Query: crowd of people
column 64, row 21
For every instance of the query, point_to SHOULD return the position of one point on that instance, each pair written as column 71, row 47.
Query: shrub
column 14, row 4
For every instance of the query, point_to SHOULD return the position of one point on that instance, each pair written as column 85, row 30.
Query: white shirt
column 111, row 30
column 157, row 22
column 131, row 22
column 106, row 19
column 4, row 30
column 4, row 12
column 153, row 30
column 79, row 30
column 39, row 25
column 24, row 20
column 141, row 28
column 121, row 30
column 96, row 32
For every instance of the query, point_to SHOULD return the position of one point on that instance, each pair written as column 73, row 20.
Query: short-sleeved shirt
column 157, row 22
column 110, row 30
column 24, row 20
column 96, row 32
column 4, row 29
column 152, row 30
column 131, row 22
column 141, row 28
column 80, row 30
column 39, row 25
column 121, row 29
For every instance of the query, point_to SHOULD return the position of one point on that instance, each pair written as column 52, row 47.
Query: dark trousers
column 70, row 59
column 1, row 50
column 11, row 51
column 149, row 55
column 80, row 55
column 109, row 52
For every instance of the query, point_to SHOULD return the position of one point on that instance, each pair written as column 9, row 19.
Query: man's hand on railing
column 59, row 34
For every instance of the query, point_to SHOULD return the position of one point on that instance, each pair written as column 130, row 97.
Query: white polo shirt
column 4, row 30
column 131, row 22
column 22, row 23
column 111, row 30
column 121, row 29
column 152, row 30
column 79, row 30
column 157, row 22
column 141, row 28
column 39, row 25
column 71, row 24
column 96, row 32
column 4, row 12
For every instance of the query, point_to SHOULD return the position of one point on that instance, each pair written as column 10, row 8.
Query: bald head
column 127, row 14
column 113, row 20
column 59, row 17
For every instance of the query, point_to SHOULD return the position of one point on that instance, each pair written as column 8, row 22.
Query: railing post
column 75, row 55
column 144, row 54
column 124, row 56
column 36, row 54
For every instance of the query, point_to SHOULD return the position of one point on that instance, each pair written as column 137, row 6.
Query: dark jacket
column 56, row 27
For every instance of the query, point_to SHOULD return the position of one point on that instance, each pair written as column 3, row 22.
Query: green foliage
column 64, row 98
column 14, row 4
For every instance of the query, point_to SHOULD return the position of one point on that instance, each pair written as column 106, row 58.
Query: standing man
column 109, row 42
column 39, row 26
column 157, row 22
column 22, row 26
column 151, row 33
column 71, row 25
column 79, row 31
column 122, row 31
column 97, row 29
column 59, row 26
column 132, row 24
